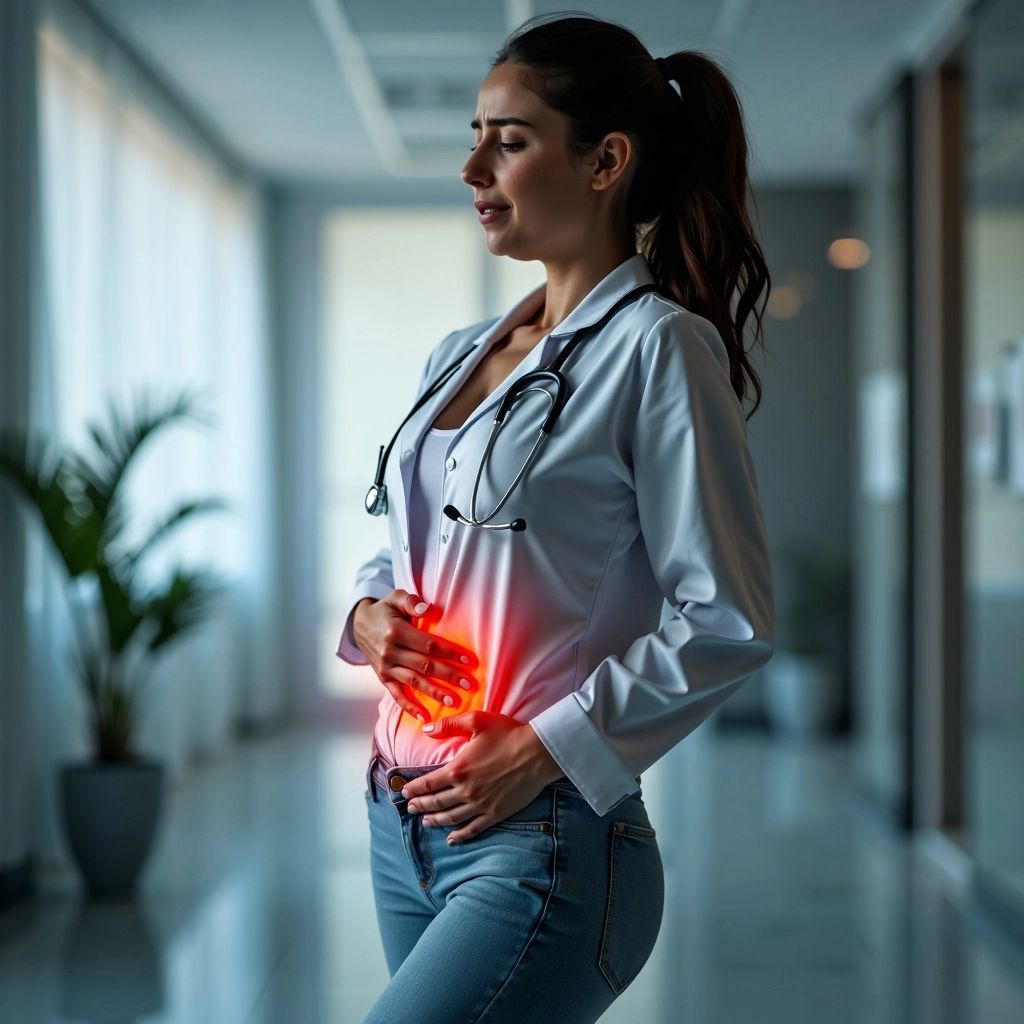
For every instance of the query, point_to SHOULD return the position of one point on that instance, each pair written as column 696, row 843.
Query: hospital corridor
column 785, row 901
column 511, row 513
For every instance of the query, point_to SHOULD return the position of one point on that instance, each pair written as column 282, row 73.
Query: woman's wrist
column 355, row 620
column 542, row 763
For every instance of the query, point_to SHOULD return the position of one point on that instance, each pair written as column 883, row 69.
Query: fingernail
column 421, row 608
column 422, row 718
column 449, row 700
column 465, row 684
column 464, row 659
column 429, row 728
column 405, row 793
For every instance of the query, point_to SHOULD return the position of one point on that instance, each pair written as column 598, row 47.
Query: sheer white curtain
column 448, row 280
column 153, row 280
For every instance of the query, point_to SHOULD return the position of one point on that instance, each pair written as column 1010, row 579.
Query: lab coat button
column 444, row 537
column 405, row 545
column 451, row 463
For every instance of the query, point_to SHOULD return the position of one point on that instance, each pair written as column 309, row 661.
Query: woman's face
column 554, row 206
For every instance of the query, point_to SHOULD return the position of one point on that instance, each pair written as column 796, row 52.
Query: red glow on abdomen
column 467, row 700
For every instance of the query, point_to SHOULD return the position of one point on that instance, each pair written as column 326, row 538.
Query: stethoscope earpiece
column 517, row 525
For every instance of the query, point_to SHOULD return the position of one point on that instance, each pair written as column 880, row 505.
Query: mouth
column 493, row 213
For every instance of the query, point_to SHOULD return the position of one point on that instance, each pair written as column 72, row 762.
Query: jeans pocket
column 634, row 905
column 536, row 816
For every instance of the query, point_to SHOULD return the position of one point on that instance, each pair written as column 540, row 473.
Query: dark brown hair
column 685, row 208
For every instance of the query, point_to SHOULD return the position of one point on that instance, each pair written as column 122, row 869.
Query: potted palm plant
column 803, row 682
column 121, row 626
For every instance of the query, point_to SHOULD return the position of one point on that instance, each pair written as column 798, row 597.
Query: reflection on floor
column 785, row 902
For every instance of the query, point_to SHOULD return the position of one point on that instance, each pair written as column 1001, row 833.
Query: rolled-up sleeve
column 702, row 524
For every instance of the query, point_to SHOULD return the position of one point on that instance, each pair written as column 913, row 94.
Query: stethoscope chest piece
column 377, row 500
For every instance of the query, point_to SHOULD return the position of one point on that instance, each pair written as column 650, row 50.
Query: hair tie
column 666, row 73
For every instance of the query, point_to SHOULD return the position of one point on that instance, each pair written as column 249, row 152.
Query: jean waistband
column 381, row 774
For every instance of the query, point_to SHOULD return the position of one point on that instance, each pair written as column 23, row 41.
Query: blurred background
column 259, row 203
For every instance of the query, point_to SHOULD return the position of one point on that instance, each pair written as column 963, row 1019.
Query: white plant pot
column 802, row 692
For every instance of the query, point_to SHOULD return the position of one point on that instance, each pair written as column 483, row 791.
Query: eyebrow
column 499, row 121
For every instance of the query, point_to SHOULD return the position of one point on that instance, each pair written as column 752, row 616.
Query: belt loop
column 371, row 785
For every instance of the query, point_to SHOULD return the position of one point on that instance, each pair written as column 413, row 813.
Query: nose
column 472, row 170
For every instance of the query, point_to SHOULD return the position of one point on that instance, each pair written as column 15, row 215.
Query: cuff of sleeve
column 582, row 753
column 347, row 649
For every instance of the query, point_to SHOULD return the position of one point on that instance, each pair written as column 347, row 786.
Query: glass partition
column 880, row 361
column 993, row 381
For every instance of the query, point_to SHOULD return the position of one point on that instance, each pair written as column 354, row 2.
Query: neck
column 570, row 281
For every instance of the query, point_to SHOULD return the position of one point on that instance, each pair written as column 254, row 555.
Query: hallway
column 785, row 902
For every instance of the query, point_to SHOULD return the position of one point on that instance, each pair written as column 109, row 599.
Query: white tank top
column 408, row 745
column 425, row 508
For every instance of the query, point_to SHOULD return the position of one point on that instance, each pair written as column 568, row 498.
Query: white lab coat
column 644, row 492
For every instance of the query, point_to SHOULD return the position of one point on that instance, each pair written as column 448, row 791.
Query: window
column 397, row 281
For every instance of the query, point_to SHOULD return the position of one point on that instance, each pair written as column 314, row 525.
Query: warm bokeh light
column 848, row 253
column 784, row 302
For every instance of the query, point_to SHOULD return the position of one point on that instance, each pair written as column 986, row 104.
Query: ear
column 613, row 155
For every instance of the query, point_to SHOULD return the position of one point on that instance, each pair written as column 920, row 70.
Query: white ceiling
column 365, row 92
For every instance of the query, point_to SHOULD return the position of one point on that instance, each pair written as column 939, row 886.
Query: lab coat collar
column 629, row 274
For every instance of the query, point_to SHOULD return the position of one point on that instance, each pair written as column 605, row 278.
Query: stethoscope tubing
column 376, row 498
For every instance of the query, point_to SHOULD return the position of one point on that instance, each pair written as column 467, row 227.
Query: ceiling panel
column 355, row 91
column 426, row 17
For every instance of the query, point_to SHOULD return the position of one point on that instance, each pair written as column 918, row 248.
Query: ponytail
column 702, row 248
column 686, row 201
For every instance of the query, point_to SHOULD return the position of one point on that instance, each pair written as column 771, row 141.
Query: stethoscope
column 535, row 381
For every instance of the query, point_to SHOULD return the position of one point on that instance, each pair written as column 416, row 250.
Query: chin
column 498, row 247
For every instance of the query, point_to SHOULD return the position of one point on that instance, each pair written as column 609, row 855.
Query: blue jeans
column 546, row 916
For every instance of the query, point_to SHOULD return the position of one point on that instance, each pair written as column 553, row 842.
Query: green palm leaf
column 167, row 525
column 181, row 604
column 81, row 504
column 49, row 483
column 117, row 445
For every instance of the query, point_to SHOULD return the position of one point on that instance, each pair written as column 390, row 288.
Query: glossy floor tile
column 785, row 902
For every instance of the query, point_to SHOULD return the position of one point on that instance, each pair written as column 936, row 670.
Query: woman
column 528, row 683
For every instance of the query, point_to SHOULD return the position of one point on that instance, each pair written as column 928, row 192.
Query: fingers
column 406, row 603
column 424, row 660
column 435, row 646
column 419, row 681
column 440, row 647
column 405, row 701
column 428, row 658
column 441, row 808
column 415, row 660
